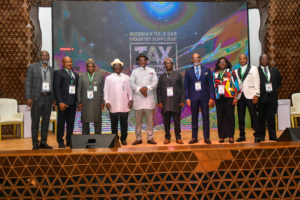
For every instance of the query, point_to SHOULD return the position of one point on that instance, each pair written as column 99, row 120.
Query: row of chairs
column 9, row 114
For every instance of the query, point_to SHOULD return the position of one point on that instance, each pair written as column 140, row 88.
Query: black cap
column 141, row 55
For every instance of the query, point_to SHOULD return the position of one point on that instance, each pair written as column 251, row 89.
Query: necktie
column 70, row 73
column 197, row 73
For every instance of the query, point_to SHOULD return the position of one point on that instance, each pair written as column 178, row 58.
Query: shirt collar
column 199, row 67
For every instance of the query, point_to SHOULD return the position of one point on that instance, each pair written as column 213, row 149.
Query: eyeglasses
column 196, row 57
column 222, row 62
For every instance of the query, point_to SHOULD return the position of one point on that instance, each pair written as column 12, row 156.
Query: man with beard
column 39, row 96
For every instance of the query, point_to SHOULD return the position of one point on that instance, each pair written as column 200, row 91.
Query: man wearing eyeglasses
column 270, row 81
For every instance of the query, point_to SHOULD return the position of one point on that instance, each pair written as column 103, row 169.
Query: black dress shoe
column 61, row 145
column 137, row 142
column 221, row 140
column 68, row 143
column 45, row 146
column 273, row 138
column 231, row 140
column 35, row 146
column 256, row 140
column 241, row 139
column 151, row 142
column 193, row 141
column 207, row 141
column 124, row 142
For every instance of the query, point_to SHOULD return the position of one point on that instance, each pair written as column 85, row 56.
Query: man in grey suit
column 39, row 96
column 90, row 98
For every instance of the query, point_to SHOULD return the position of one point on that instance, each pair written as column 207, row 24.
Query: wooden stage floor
column 26, row 144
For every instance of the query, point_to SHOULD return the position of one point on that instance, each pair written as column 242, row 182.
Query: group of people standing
column 248, row 86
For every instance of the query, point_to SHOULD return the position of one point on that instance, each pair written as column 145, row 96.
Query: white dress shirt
column 143, row 77
column 117, row 92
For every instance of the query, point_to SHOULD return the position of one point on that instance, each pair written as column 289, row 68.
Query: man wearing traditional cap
column 170, row 99
column 90, row 98
column 118, row 99
column 143, row 81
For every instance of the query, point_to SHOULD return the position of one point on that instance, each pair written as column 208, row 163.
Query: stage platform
column 267, row 170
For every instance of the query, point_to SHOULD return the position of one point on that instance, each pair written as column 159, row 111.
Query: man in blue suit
column 199, row 92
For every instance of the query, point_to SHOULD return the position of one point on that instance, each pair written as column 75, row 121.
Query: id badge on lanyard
column 90, row 94
column 46, row 86
column 72, row 89
column 221, row 89
column 170, row 92
column 198, row 86
column 269, row 87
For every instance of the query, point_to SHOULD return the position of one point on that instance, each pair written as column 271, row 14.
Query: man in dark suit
column 170, row 99
column 199, row 92
column 39, row 96
column 65, row 90
column 270, row 81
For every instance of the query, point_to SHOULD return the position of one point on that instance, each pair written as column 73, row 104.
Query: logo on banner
column 156, row 48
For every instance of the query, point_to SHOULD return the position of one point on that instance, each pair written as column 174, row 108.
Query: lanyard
column 91, row 79
column 222, row 74
column 45, row 74
column 266, row 73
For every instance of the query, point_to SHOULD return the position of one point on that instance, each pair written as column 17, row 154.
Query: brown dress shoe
column 137, row 142
column 179, row 141
column 151, row 142
column 167, row 141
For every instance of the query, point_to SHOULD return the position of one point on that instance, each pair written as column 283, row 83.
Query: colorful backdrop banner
column 109, row 30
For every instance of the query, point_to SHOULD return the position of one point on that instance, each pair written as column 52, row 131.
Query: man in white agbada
column 143, row 81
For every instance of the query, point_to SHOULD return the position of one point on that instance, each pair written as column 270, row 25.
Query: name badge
column 90, row 94
column 198, row 86
column 95, row 88
column 269, row 87
column 72, row 89
column 45, row 86
column 170, row 91
column 221, row 89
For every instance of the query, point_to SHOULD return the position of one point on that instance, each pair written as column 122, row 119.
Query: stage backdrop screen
column 108, row 30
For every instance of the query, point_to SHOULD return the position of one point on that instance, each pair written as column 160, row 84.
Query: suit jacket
column 61, row 83
column 249, row 84
column 207, row 87
column 170, row 103
column 91, row 108
column 275, row 79
column 34, row 80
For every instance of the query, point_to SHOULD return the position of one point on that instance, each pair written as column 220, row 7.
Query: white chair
column 9, row 114
column 295, row 109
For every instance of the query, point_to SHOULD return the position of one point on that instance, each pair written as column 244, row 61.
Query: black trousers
column 167, row 123
column 241, row 105
column 266, row 114
column 123, row 117
column 86, row 127
column 65, row 116
column 41, row 108
column 205, row 117
column 225, row 117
